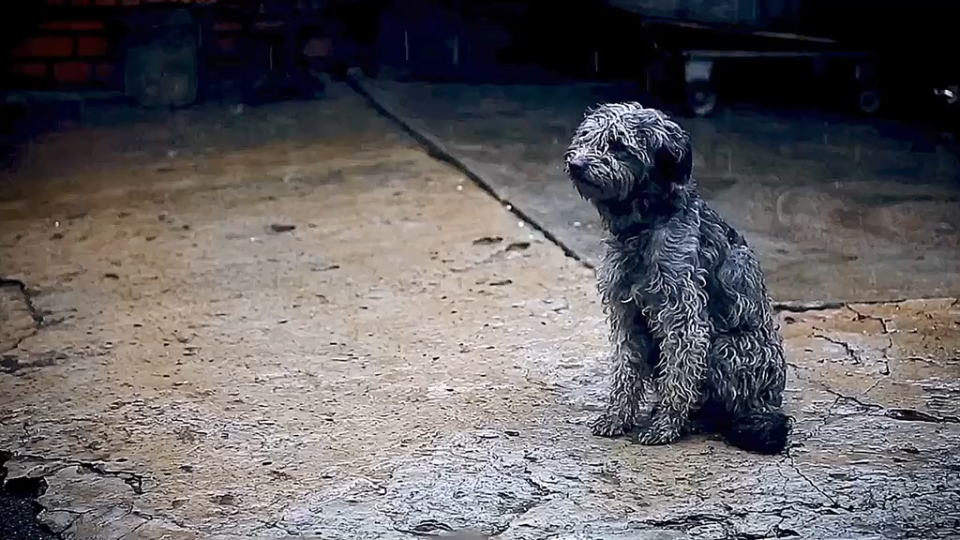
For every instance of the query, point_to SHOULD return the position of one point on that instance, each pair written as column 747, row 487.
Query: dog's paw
column 607, row 425
column 656, row 437
column 658, row 433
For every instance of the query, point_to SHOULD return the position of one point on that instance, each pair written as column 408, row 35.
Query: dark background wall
column 65, row 44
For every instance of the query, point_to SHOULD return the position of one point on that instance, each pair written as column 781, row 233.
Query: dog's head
column 620, row 149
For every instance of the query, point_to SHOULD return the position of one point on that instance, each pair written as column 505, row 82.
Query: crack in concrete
column 911, row 415
column 901, row 414
column 893, row 499
column 427, row 528
column 862, row 317
column 851, row 351
column 885, row 330
column 163, row 517
column 135, row 529
column 685, row 522
column 130, row 478
column 511, row 247
column 798, row 306
column 776, row 532
column 854, row 354
column 34, row 313
column 135, row 481
column 823, row 421
column 436, row 149
column 275, row 525
column 885, row 356
column 803, row 307
column 76, row 518
column 843, row 397
column 28, row 294
column 796, row 467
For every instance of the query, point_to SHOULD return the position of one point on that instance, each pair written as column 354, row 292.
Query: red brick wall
column 69, row 52
column 73, row 48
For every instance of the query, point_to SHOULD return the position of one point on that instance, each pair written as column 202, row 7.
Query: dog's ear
column 673, row 160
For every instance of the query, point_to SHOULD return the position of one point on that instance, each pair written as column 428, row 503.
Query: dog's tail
column 762, row 432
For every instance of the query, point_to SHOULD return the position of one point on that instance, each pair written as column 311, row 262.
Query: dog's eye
column 616, row 147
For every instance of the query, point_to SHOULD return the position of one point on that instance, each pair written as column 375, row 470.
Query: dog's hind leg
column 743, row 299
column 746, row 381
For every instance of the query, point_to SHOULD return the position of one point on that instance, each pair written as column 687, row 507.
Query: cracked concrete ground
column 293, row 322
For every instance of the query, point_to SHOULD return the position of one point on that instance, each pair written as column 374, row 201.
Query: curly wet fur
column 684, row 294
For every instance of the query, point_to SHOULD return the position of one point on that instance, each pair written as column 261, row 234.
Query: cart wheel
column 701, row 98
column 868, row 101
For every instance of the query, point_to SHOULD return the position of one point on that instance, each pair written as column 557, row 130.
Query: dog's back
column 735, row 279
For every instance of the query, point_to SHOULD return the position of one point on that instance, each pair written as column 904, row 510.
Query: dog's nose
column 576, row 164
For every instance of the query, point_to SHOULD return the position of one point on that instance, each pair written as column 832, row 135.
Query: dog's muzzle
column 579, row 171
column 577, row 166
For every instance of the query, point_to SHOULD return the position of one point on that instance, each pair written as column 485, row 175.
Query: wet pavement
column 292, row 322
column 838, row 211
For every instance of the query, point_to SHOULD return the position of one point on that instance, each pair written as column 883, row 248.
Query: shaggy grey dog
column 684, row 294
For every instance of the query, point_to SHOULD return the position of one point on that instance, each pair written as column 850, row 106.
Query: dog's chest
column 624, row 273
column 632, row 273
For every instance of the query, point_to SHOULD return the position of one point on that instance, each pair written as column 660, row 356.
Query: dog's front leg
column 631, row 343
column 680, row 326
